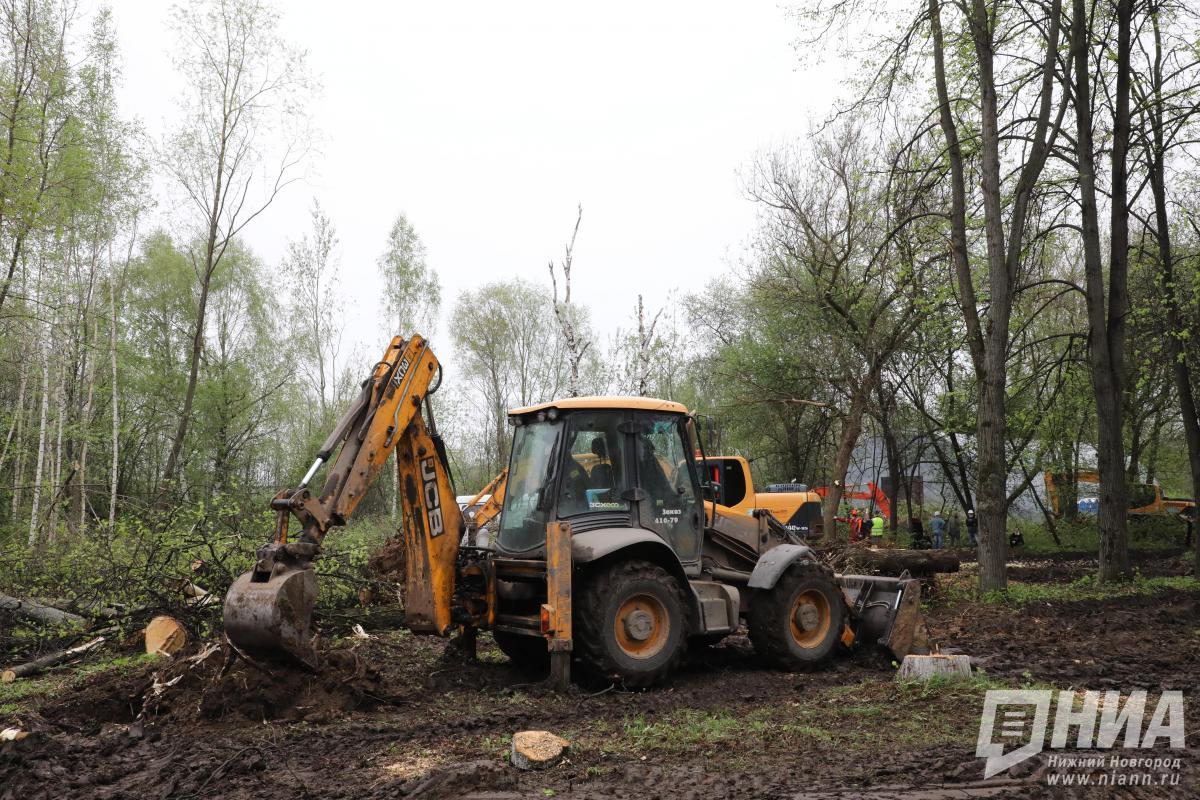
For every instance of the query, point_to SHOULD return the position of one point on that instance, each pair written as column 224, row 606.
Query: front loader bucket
column 886, row 612
column 268, row 612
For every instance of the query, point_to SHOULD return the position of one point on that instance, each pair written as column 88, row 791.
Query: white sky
column 487, row 123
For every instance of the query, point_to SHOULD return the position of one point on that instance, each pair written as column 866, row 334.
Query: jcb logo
column 401, row 371
column 433, row 503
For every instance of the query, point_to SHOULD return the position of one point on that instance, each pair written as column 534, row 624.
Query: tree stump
column 922, row 668
column 537, row 749
column 165, row 636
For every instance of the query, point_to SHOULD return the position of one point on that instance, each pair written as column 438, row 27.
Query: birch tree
column 241, row 141
column 412, row 293
column 312, row 271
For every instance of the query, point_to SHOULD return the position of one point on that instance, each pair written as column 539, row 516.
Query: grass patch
column 20, row 695
column 1083, row 534
column 682, row 730
column 1088, row 588
column 858, row 717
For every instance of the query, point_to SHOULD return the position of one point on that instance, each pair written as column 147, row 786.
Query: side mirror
column 710, row 490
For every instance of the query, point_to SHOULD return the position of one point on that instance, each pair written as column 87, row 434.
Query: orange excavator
column 872, row 493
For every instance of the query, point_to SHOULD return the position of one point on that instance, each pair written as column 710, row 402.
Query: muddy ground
column 394, row 716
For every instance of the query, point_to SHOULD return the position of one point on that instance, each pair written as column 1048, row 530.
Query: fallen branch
column 54, row 659
column 42, row 613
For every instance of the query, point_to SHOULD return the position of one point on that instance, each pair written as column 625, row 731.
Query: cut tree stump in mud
column 537, row 749
column 37, row 665
column 165, row 636
column 922, row 668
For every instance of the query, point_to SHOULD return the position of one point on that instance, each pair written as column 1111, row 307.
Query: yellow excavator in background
column 485, row 506
column 610, row 552
column 1145, row 499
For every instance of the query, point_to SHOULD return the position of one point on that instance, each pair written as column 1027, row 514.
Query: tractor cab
column 602, row 462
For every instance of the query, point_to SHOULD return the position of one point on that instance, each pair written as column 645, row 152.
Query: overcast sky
column 487, row 123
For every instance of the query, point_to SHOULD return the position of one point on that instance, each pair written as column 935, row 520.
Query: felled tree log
column 894, row 562
column 42, row 613
column 93, row 610
column 37, row 665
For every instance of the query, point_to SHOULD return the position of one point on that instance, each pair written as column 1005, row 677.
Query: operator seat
column 603, row 476
column 574, row 488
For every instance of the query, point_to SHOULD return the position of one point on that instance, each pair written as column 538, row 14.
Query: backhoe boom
column 267, row 610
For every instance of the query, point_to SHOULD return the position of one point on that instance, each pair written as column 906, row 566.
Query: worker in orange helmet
column 856, row 526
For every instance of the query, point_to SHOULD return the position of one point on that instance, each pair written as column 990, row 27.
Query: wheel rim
column 642, row 626
column 809, row 619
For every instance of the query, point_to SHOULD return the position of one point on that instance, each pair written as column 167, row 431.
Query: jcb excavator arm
column 268, row 610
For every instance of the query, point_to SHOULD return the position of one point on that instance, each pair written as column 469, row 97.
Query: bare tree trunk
column 19, row 466
column 1166, row 262
column 86, row 424
column 60, row 413
column 851, row 430
column 115, row 466
column 989, row 344
column 1105, row 331
column 563, row 312
column 115, row 401
column 91, row 328
column 992, row 573
column 18, row 412
column 41, row 456
column 645, row 341
column 891, row 451
column 185, row 414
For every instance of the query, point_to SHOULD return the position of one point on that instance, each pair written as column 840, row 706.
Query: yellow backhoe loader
column 609, row 555
column 1145, row 499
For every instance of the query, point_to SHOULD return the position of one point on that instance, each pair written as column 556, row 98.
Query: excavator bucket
column 886, row 612
column 268, row 610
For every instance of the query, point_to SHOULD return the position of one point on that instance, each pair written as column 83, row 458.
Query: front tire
column 630, row 623
column 796, row 624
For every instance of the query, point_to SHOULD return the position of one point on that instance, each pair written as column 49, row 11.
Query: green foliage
column 412, row 294
column 682, row 730
column 1087, row 588
column 147, row 560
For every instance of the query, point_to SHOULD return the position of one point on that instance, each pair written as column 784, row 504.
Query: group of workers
column 861, row 527
column 943, row 529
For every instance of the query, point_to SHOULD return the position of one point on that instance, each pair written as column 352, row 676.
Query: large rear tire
column 630, row 623
column 796, row 625
column 528, row 652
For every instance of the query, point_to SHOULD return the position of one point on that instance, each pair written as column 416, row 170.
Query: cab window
column 594, row 473
column 530, row 486
column 672, row 492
